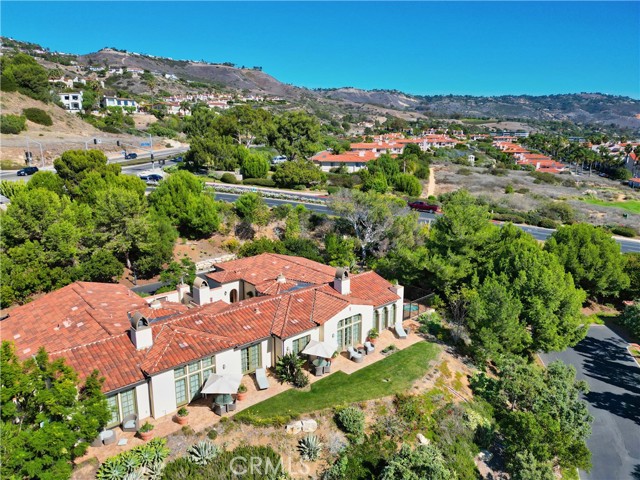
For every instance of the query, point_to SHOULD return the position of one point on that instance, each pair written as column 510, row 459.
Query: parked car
column 278, row 160
column 130, row 156
column 423, row 207
column 152, row 178
column 27, row 171
column 178, row 159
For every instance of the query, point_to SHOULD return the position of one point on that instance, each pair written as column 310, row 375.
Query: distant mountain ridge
column 584, row 108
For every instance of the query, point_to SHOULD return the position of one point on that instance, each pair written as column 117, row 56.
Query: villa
column 156, row 353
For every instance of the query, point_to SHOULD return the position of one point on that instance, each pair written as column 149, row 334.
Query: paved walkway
column 202, row 417
column 602, row 360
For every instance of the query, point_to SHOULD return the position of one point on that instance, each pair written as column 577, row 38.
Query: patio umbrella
column 227, row 383
column 319, row 349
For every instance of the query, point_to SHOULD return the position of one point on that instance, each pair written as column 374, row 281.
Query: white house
column 107, row 102
column 72, row 101
column 156, row 353
column 351, row 161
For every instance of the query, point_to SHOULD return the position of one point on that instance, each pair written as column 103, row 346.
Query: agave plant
column 131, row 462
column 159, row 449
column 309, row 447
column 154, row 471
column 203, row 452
column 135, row 475
column 112, row 469
column 146, row 456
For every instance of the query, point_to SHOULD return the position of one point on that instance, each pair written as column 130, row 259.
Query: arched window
column 385, row 317
column 376, row 320
column 393, row 314
column 233, row 296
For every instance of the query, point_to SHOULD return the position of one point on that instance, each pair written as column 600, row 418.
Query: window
column 385, row 317
column 251, row 358
column 393, row 315
column 74, row 97
column 66, row 97
column 190, row 378
column 376, row 320
column 233, row 296
column 121, row 404
column 349, row 331
column 299, row 343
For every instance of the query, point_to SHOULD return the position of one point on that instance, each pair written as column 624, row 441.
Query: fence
column 415, row 308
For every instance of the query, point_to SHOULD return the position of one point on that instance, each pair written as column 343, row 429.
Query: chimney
column 183, row 291
column 342, row 282
column 281, row 279
column 201, row 294
column 140, row 332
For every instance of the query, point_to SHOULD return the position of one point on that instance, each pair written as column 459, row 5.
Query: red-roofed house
column 156, row 355
column 352, row 161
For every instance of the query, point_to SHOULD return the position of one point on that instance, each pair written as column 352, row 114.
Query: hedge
column 262, row 182
column 228, row 178
column 12, row 124
column 37, row 115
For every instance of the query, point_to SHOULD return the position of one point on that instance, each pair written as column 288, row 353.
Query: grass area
column 11, row 165
column 632, row 206
column 394, row 374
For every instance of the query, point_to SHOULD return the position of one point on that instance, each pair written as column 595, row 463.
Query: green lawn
column 389, row 376
column 632, row 206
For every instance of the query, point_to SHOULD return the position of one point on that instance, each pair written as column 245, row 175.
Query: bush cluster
column 351, row 421
column 12, row 124
column 37, row 115
column 229, row 178
column 262, row 182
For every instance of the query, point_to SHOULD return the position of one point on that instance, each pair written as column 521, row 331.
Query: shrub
column 182, row 468
column 203, row 452
column 228, row 178
column 212, row 434
column 310, row 447
column 522, row 190
column 253, row 461
column 12, row 124
column 301, row 379
column 331, row 189
column 231, row 244
column 620, row 173
column 408, row 184
column 351, row 420
column 262, row 182
column 624, row 231
column 143, row 458
column 37, row 115
column 255, row 166
column 464, row 171
column 508, row 189
column 545, row 222
column 288, row 366
column 545, row 177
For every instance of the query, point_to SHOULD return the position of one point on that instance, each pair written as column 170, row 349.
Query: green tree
column 23, row 73
column 255, row 166
column 630, row 318
column 592, row 256
column 48, row 416
column 632, row 270
column 74, row 165
column 47, row 180
column 12, row 124
column 405, row 183
column 252, row 208
column 339, row 252
column 298, row 172
column 376, row 182
column 176, row 272
column 295, row 135
column 102, row 266
column 423, row 462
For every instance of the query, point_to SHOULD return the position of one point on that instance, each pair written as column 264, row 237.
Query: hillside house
column 72, row 101
column 107, row 102
column 156, row 353
column 351, row 161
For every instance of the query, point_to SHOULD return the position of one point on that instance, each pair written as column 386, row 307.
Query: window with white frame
column 298, row 344
column 190, row 378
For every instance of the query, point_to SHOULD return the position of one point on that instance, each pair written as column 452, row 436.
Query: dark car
column 27, row 171
column 423, row 207
column 178, row 159
column 130, row 156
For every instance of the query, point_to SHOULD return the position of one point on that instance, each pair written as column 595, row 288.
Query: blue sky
column 430, row 48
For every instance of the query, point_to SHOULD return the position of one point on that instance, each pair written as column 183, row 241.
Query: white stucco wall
column 329, row 329
column 229, row 361
column 143, row 401
column 287, row 344
column 163, row 394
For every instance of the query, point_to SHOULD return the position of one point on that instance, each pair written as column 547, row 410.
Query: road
column 601, row 359
column 133, row 169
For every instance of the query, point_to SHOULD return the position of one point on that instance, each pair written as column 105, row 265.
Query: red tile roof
column 347, row 157
column 87, row 323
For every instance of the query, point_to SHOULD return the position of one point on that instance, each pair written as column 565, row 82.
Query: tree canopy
column 48, row 415
column 592, row 256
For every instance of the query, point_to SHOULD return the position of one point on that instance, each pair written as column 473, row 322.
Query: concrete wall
column 163, row 394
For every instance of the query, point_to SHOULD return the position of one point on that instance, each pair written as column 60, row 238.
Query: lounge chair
column 354, row 355
column 130, row 423
column 106, row 437
column 400, row 331
column 369, row 347
column 261, row 379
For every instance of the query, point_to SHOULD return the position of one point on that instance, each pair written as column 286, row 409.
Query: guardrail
column 237, row 190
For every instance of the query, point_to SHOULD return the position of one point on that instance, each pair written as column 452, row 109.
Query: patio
column 201, row 416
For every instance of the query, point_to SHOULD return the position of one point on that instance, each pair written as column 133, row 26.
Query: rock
column 309, row 426
column 422, row 439
column 293, row 428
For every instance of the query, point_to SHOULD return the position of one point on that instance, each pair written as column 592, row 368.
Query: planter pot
column 181, row 420
column 146, row 435
column 373, row 340
column 241, row 396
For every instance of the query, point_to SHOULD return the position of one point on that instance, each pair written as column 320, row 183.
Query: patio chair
column 318, row 371
column 219, row 409
column 400, row 331
column 261, row 379
column 106, row 437
column 327, row 368
column 369, row 347
column 130, row 423
column 231, row 406
column 354, row 355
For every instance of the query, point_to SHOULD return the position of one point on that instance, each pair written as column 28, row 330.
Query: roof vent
column 155, row 305
column 257, row 311
column 183, row 345
column 247, row 327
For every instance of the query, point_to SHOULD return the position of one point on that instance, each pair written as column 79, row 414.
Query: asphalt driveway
column 601, row 359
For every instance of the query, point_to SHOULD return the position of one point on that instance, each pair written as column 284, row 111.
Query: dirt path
column 431, row 187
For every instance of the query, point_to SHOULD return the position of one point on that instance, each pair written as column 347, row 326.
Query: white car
column 278, row 160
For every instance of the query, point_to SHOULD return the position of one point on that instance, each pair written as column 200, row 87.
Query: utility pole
column 41, row 152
